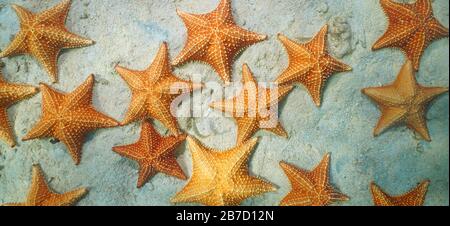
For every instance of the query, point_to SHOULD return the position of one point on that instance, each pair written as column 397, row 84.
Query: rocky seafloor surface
column 130, row 32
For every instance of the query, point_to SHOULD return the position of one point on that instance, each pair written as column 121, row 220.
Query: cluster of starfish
column 220, row 177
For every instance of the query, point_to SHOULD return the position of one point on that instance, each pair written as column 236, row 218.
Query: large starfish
column 153, row 153
column 215, row 39
column 154, row 90
column 254, row 108
column 9, row 95
column 43, row 36
column 310, row 64
column 404, row 101
column 412, row 27
column 221, row 178
column 415, row 197
column 311, row 188
column 41, row 195
column 68, row 117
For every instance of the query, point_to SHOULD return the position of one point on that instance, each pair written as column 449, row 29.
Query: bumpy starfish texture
column 415, row 197
column 412, row 27
column 43, row 36
column 404, row 101
column 9, row 95
column 154, row 91
column 311, row 188
column 68, row 117
column 41, row 195
column 310, row 64
column 221, row 178
column 215, row 39
column 255, row 108
column 153, row 153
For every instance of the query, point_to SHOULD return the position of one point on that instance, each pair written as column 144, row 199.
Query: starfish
column 253, row 108
column 221, row 178
column 41, row 195
column 215, row 39
column 404, row 101
column 154, row 91
column 412, row 27
column 153, row 153
column 68, row 117
column 415, row 197
column 310, row 64
column 43, row 36
column 311, row 188
column 9, row 95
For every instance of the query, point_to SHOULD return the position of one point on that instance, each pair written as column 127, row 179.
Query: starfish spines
column 43, row 36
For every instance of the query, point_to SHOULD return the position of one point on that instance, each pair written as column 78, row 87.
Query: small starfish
column 215, row 39
column 310, row 64
column 221, row 178
column 404, row 101
column 153, row 91
column 153, row 153
column 311, row 188
column 68, row 117
column 43, row 36
column 250, row 114
column 9, row 95
column 41, row 195
column 412, row 27
column 415, row 197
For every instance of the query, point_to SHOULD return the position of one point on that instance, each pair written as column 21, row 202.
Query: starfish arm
column 6, row 133
column 145, row 173
column 130, row 151
column 387, row 95
column 238, row 38
column 170, row 166
column 13, row 93
column 314, row 86
column 192, row 50
column 159, row 110
column 43, row 129
column 277, row 130
column 424, row 7
column 317, row 45
column 337, row 196
column 17, row 47
column 46, row 54
column 50, row 98
column 25, row 16
column 436, row 30
column 298, row 178
column 223, row 12
column 160, row 65
column 137, row 109
column 247, row 127
column 389, row 117
column 299, row 59
column 66, row 199
column 56, row 15
column 415, row 47
column 247, row 75
column 405, row 83
column 416, row 197
column 134, row 79
column 296, row 199
column 73, row 138
column 220, row 59
column 321, row 172
column 247, row 187
column 87, row 119
column 380, row 198
column 428, row 94
column 332, row 66
column 418, row 123
column 39, row 189
column 62, row 38
column 81, row 96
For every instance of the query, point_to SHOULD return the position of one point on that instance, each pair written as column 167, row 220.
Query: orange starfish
column 153, row 153
column 221, row 178
column 154, row 90
column 404, row 101
column 41, row 195
column 253, row 108
column 9, row 95
column 415, row 197
column 311, row 188
column 68, row 117
column 412, row 27
column 215, row 39
column 43, row 36
column 310, row 64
